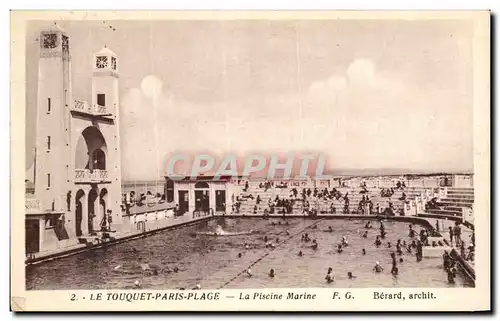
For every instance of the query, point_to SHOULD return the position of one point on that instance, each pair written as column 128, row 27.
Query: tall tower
column 105, row 99
column 96, row 151
column 53, row 122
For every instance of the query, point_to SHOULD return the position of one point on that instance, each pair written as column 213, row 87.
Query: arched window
column 201, row 185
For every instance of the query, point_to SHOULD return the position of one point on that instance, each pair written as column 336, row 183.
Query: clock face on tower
column 50, row 40
column 101, row 62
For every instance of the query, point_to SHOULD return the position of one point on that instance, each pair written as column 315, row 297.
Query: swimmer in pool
column 368, row 224
column 249, row 273
column 197, row 287
column 344, row 241
column 377, row 268
column 287, row 233
column 271, row 273
column 378, row 242
column 389, row 245
column 300, row 253
column 401, row 260
column 350, row 276
column 265, row 238
column 363, row 251
column 314, row 246
column 137, row 283
column 329, row 277
column 330, row 229
column 365, row 234
column 277, row 240
column 339, row 249
column 411, row 232
column 239, row 255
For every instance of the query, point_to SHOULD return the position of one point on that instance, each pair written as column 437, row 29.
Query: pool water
column 213, row 261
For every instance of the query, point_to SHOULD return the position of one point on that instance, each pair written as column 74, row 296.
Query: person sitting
column 432, row 204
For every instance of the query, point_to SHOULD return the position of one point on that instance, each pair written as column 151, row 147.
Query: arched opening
column 98, row 160
column 91, row 150
column 201, row 185
column 103, row 203
column 79, row 212
column 91, row 210
column 169, row 190
column 201, row 196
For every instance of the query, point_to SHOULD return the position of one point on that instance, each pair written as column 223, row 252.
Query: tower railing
column 32, row 205
column 84, row 107
column 91, row 176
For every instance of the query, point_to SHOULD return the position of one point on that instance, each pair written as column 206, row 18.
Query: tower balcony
column 83, row 107
column 32, row 205
column 87, row 176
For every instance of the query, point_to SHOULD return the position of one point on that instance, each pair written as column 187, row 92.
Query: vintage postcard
column 250, row 161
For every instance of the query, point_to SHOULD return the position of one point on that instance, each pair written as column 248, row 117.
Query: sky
column 367, row 94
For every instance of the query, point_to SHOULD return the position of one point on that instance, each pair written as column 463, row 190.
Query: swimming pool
column 213, row 261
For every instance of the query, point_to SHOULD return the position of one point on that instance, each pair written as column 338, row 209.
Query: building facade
column 77, row 175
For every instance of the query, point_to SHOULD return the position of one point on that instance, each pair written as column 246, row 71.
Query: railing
column 32, row 205
column 84, row 107
column 91, row 176
column 100, row 110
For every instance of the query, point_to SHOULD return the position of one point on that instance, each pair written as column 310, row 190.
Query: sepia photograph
column 269, row 154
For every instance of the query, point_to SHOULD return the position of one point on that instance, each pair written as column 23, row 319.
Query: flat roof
column 204, row 178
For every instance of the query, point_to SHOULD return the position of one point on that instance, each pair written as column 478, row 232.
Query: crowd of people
column 314, row 200
column 149, row 198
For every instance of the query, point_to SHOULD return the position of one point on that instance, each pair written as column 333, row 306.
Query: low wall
column 407, row 219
